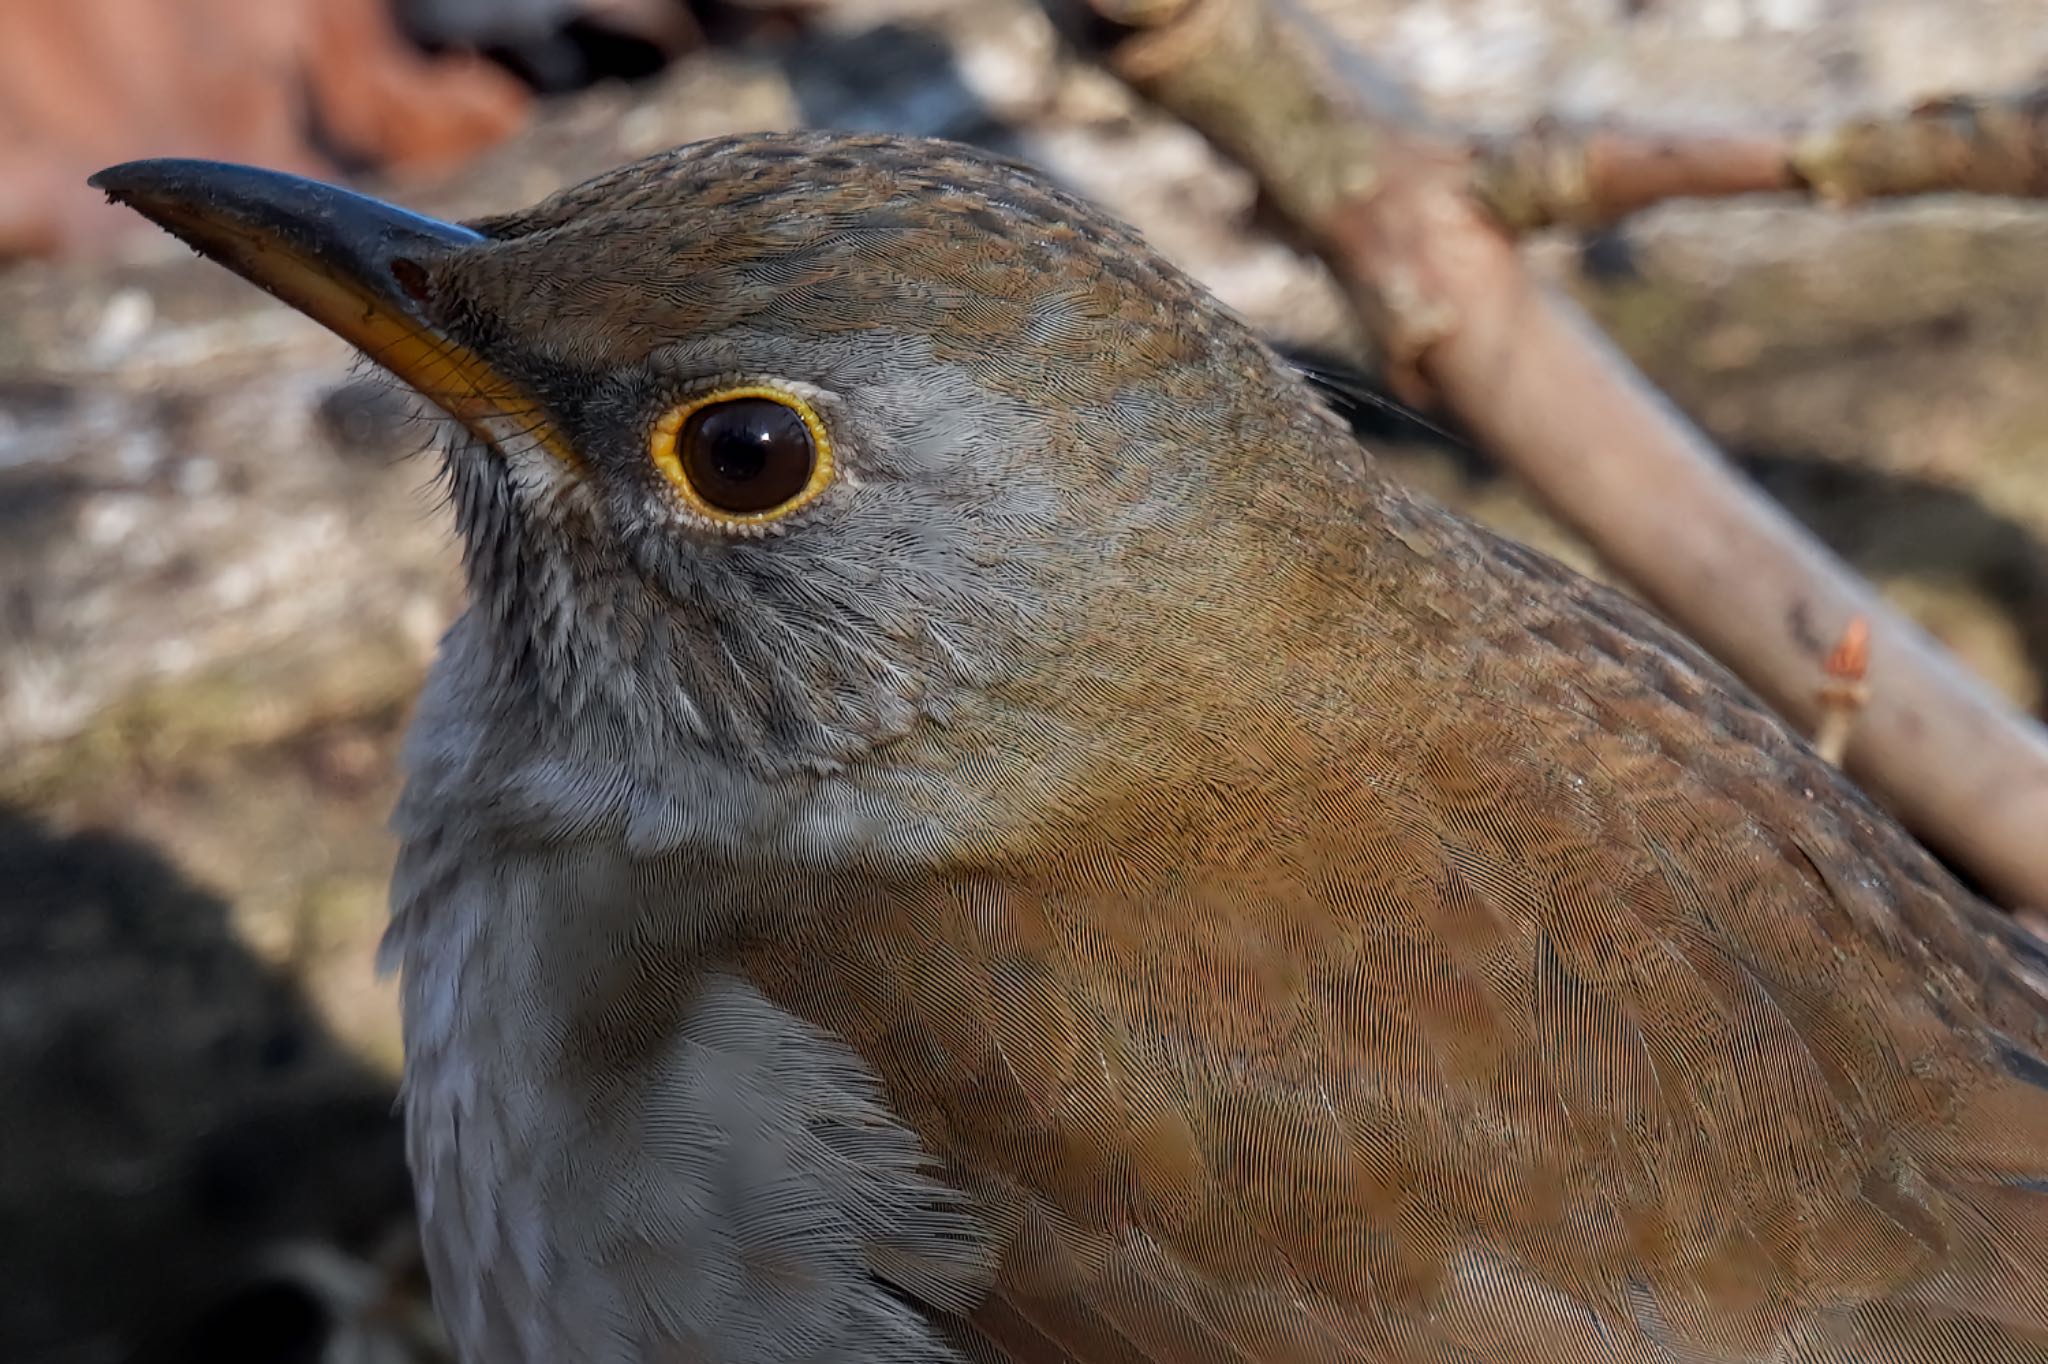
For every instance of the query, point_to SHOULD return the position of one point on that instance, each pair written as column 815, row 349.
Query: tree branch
column 1555, row 174
column 1437, row 276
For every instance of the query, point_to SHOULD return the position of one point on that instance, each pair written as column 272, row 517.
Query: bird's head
column 774, row 455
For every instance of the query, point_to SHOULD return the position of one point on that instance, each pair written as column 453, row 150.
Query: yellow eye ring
column 748, row 455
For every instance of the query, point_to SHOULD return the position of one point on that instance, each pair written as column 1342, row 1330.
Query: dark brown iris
column 747, row 455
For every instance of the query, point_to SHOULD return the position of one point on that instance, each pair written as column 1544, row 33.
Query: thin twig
column 1440, row 281
column 1559, row 174
column 1844, row 692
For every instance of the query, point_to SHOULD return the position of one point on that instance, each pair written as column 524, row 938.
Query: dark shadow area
column 892, row 78
column 561, row 46
column 579, row 54
column 175, row 1116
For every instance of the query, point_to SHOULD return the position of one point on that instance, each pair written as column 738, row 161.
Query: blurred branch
column 1555, row 174
column 1434, row 272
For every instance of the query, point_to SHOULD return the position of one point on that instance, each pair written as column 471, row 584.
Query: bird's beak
column 362, row 268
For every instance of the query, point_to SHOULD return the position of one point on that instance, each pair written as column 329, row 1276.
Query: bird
column 966, row 819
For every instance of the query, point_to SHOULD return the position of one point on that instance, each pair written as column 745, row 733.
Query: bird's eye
column 743, row 456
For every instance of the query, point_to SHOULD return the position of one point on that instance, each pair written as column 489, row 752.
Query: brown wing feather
column 1337, row 1021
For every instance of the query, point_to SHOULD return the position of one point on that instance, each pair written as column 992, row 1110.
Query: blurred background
column 223, row 566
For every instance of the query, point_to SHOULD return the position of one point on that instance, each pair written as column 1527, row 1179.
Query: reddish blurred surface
column 303, row 85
